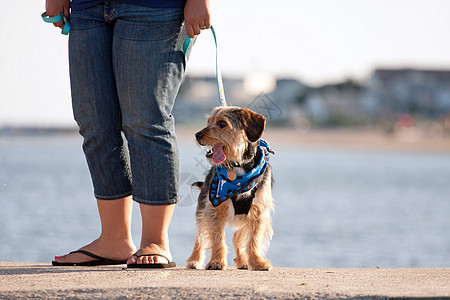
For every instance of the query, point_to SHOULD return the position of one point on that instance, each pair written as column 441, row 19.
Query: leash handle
column 56, row 19
column 221, row 91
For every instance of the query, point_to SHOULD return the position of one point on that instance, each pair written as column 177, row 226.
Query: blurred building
column 335, row 104
column 416, row 92
column 387, row 94
column 274, row 98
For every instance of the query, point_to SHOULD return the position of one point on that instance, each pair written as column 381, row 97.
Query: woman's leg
column 97, row 111
column 155, row 237
column 149, row 67
column 115, row 240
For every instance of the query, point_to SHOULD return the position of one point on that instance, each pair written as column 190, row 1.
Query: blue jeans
column 126, row 66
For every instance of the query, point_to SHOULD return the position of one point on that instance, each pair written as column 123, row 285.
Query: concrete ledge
column 39, row 281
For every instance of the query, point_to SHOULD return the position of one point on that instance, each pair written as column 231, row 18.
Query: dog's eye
column 221, row 124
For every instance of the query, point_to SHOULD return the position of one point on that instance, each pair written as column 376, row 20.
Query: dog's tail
column 198, row 184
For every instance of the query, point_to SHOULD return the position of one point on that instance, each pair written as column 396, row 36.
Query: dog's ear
column 253, row 124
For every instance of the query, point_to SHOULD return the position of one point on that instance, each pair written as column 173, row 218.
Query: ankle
column 155, row 237
column 115, row 238
column 162, row 245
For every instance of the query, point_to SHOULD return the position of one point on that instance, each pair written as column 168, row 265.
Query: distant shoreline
column 36, row 131
column 364, row 139
column 367, row 139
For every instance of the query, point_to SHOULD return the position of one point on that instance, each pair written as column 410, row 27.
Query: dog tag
column 231, row 174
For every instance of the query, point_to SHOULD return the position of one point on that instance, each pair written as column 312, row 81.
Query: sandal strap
column 88, row 254
column 153, row 254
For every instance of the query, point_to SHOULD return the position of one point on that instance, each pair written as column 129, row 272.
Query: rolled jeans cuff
column 114, row 197
column 156, row 202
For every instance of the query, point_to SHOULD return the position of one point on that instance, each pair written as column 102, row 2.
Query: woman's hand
column 55, row 7
column 196, row 16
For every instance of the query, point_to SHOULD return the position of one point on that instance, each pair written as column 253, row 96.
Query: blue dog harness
column 223, row 188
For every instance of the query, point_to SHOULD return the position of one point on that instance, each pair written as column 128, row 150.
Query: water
column 334, row 207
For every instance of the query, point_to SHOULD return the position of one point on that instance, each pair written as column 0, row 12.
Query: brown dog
column 237, row 191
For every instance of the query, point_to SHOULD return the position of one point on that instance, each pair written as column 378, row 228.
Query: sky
column 314, row 42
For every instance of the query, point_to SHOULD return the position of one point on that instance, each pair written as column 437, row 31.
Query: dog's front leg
column 195, row 261
column 217, row 236
column 239, row 248
column 259, row 235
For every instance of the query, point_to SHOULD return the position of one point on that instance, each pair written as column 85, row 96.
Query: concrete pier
column 43, row 281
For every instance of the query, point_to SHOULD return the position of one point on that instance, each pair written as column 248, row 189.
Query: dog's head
column 231, row 134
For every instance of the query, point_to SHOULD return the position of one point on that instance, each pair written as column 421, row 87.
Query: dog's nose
column 199, row 135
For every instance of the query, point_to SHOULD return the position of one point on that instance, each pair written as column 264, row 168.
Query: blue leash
column 56, row 19
column 222, row 100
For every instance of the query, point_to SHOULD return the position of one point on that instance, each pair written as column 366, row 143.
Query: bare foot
column 110, row 249
column 151, row 249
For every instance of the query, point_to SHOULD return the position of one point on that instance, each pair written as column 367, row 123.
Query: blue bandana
column 222, row 188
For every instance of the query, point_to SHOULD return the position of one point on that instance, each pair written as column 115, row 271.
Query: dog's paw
column 216, row 265
column 240, row 264
column 194, row 265
column 264, row 265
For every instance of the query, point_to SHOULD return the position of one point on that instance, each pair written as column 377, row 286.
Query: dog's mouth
column 217, row 154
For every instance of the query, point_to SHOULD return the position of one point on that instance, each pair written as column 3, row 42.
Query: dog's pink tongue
column 218, row 155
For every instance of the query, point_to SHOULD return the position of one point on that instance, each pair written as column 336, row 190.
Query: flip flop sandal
column 153, row 265
column 99, row 261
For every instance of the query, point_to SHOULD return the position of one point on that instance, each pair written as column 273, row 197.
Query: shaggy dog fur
column 233, row 133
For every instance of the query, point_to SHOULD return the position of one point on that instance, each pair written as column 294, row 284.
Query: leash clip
column 56, row 19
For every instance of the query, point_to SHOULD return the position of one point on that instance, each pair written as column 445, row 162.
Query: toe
column 156, row 260
column 132, row 260
column 65, row 258
column 151, row 259
column 146, row 260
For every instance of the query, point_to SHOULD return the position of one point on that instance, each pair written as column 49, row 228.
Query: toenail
column 57, row 257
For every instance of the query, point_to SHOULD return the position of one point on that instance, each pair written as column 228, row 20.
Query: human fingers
column 66, row 12
column 197, row 16
column 206, row 26
column 56, row 7
column 51, row 14
column 197, row 29
column 59, row 24
column 206, row 23
column 190, row 30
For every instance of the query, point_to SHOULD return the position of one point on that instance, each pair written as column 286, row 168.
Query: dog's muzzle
column 199, row 135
